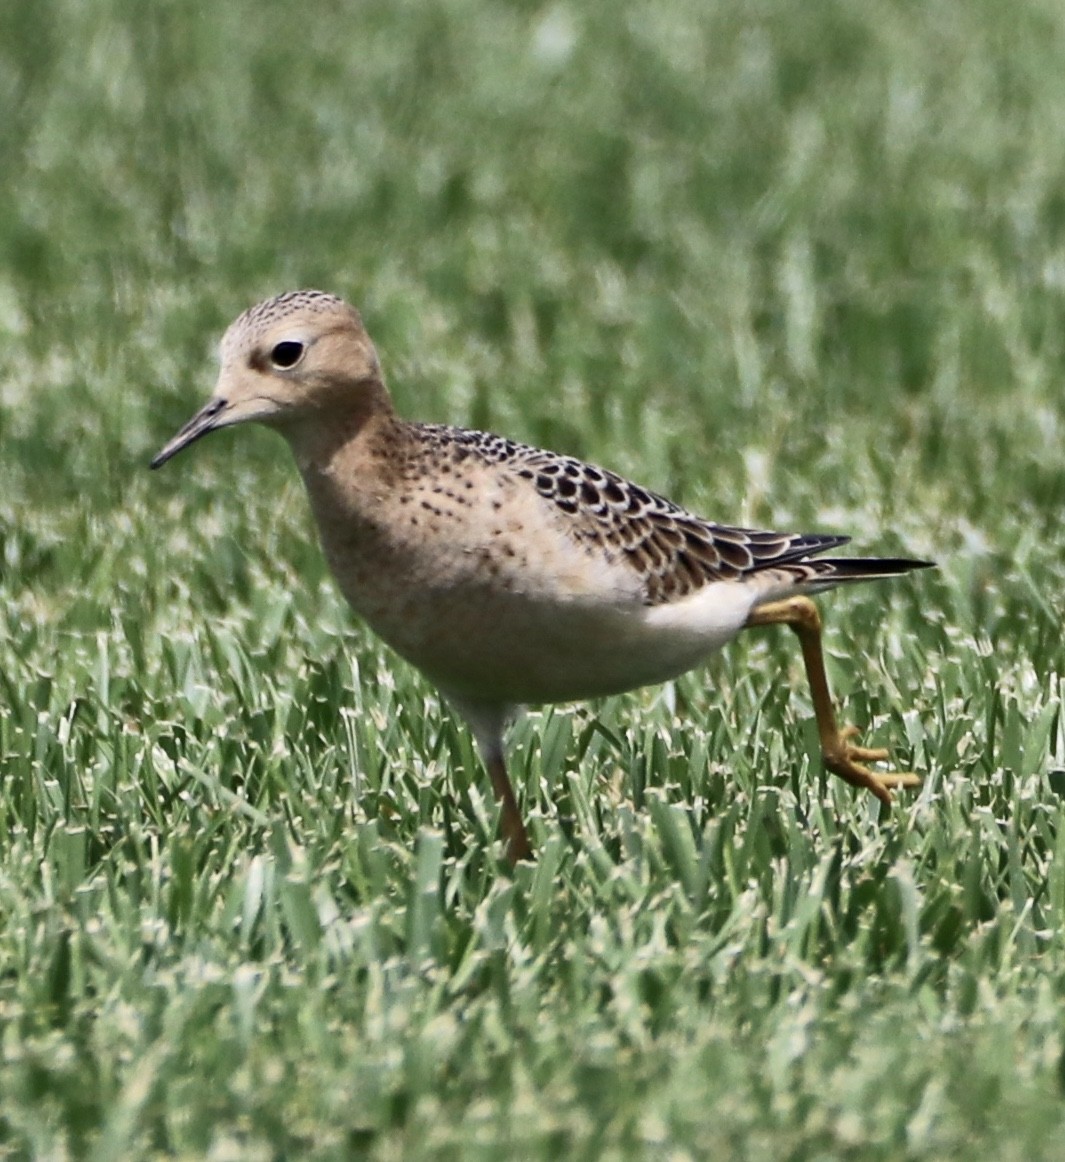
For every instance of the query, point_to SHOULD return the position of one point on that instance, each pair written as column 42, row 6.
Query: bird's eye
column 286, row 354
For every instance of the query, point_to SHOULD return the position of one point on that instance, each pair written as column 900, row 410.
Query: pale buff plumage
column 511, row 575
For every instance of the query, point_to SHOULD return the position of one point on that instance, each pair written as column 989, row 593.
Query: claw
column 867, row 754
column 847, row 761
column 840, row 756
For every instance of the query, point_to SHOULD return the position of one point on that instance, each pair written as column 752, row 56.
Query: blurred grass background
column 795, row 265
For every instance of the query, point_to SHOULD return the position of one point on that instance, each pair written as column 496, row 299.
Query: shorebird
column 510, row 575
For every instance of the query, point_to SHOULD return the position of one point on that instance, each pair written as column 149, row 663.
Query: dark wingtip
column 869, row 568
column 906, row 564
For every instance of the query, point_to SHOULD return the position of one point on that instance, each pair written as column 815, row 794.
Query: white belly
column 488, row 647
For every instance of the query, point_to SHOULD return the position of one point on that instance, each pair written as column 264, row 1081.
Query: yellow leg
column 840, row 756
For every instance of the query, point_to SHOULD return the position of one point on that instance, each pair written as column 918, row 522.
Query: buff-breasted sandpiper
column 507, row 574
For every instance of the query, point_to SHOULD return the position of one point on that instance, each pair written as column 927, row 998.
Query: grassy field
column 797, row 265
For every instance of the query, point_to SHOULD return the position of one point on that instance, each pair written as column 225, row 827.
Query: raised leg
column 840, row 756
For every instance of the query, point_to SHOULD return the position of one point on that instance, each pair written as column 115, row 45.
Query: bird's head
column 302, row 357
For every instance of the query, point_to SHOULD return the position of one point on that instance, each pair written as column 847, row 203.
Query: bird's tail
column 816, row 575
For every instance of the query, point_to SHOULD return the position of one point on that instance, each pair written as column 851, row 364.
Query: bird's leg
column 488, row 721
column 518, row 845
column 840, row 756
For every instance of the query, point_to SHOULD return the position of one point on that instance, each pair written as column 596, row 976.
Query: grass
column 796, row 265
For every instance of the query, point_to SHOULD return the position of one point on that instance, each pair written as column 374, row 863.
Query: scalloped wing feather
column 673, row 552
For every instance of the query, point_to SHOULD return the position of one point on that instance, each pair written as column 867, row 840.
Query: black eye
column 286, row 354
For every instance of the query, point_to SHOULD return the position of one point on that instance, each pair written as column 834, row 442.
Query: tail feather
column 814, row 576
column 867, row 568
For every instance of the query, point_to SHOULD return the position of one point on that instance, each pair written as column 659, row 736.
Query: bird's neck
column 334, row 435
column 350, row 464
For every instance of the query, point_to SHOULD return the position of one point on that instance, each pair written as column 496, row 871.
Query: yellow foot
column 846, row 760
